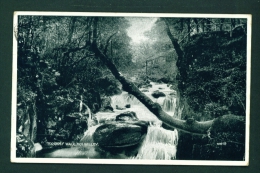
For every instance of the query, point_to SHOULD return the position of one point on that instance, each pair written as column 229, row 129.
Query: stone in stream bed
column 120, row 135
column 106, row 105
column 144, row 90
column 107, row 109
column 119, row 108
column 157, row 94
column 127, row 116
column 128, row 105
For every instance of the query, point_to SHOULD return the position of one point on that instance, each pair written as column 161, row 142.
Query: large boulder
column 116, row 135
column 106, row 105
column 157, row 94
column 127, row 116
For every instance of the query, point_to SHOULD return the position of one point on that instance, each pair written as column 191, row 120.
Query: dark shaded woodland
column 68, row 67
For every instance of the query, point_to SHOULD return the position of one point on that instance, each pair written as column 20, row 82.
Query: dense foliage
column 58, row 72
column 65, row 64
column 211, row 83
column 213, row 74
column 155, row 57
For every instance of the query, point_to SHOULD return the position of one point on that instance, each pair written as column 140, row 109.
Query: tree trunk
column 208, row 25
column 230, row 28
column 173, row 40
column 197, row 25
column 221, row 24
column 95, row 30
column 190, row 125
column 71, row 29
column 179, row 52
column 203, row 25
column 33, row 119
column 189, row 28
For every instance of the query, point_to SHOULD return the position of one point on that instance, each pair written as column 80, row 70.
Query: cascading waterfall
column 123, row 99
column 159, row 143
column 169, row 104
column 89, row 116
column 135, row 105
column 88, row 134
column 87, row 111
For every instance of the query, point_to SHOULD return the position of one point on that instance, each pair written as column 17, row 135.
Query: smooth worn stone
column 127, row 116
column 120, row 134
column 157, row 94
column 119, row 108
column 128, row 106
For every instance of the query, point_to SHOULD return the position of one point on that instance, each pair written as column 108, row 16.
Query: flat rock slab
column 120, row 134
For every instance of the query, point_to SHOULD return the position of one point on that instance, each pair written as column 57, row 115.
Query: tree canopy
column 57, row 67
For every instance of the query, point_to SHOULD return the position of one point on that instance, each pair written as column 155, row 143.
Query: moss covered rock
column 120, row 134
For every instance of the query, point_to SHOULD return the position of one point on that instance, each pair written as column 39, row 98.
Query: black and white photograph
column 131, row 88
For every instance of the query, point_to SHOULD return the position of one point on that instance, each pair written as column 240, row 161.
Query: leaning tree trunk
column 218, row 124
column 189, row 125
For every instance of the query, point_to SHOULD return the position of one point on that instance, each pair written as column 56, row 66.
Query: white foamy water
column 159, row 143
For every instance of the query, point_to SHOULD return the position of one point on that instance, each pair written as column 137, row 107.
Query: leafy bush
column 212, row 74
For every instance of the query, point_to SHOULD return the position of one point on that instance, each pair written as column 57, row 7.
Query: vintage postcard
column 131, row 88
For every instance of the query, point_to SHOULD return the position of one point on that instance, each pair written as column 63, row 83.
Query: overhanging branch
column 190, row 125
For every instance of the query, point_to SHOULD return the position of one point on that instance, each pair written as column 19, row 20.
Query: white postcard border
column 128, row 161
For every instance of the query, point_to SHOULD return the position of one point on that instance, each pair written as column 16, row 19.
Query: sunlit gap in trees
column 138, row 27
